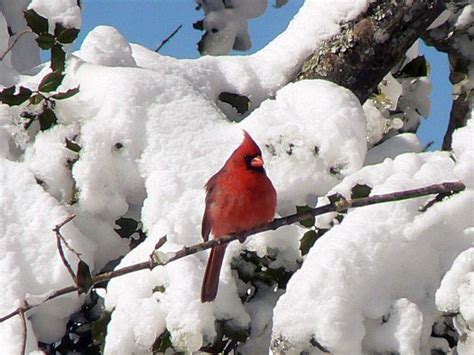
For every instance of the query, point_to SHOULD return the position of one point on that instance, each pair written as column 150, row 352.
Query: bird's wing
column 207, row 219
column 206, row 224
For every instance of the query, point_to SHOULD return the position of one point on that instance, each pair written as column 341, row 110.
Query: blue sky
column 148, row 22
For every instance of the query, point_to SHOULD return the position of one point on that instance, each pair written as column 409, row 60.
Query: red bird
column 240, row 196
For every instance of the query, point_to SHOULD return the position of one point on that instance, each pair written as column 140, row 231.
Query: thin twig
column 10, row 47
column 24, row 333
column 60, row 238
column 168, row 38
column 338, row 206
column 57, row 230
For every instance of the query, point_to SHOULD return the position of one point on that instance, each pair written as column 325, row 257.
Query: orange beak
column 256, row 162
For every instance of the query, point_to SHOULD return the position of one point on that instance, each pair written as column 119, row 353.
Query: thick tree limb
column 370, row 46
column 159, row 258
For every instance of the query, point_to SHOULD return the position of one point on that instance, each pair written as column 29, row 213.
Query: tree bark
column 368, row 47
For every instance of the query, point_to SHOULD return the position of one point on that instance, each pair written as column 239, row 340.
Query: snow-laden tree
column 125, row 138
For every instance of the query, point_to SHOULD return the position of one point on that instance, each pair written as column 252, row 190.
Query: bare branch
column 160, row 259
column 23, row 327
column 10, row 47
column 168, row 38
column 59, row 238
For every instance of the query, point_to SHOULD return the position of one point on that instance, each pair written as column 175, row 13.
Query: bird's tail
column 211, row 276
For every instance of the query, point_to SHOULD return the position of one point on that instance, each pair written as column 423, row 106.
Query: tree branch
column 10, row 47
column 168, row 38
column 23, row 329
column 59, row 239
column 368, row 47
column 159, row 258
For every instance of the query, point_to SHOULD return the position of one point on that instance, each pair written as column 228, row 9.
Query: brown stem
column 168, row 38
column 59, row 239
column 338, row 206
column 10, row 47
column 23, row 327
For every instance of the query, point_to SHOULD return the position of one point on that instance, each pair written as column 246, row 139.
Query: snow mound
column 370, row 286
column 105, row 45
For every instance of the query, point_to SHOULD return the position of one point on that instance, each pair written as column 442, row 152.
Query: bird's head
column 248, row 155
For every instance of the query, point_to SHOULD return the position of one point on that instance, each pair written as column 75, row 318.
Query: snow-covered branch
column 159, row 259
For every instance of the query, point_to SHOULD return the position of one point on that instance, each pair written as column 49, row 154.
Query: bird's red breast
column 240, row 196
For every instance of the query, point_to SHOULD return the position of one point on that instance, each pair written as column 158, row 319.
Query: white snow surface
column 368, row 285
column 151, row 134
column 25, row 54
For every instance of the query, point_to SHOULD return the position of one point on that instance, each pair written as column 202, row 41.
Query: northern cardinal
column 240, row 196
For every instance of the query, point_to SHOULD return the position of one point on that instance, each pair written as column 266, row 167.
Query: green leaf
column 65, row 95
column 8, row 96
column 83, row 278
column 308, row 240
column 240, row 102
column 360, row 191
column 51, row 81
column 68, row 35
column 235, row 332
column 335, row 197
column 47, row 119
column 45, row 40
column 36, row 99
column 128, row 226
column 58, row 58
column 162, row 343
column 308, row 223
column 37, row 23
column 71, row 145
column 99, row 329
column 159, row 288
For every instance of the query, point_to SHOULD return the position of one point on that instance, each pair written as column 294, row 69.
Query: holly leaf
column 45, row 40
column 51, row 81
column 58, row 58
column 71, row 145
column 36, row 99
column 84, row 277
column 65, row 95
column 36, row 22
column 309, row 222
column 162, row 343
column 360, row 191
column 308, row 240
column 65, row 35
column 240, row 102
column 8, row 96
column 128, row 226
column 47, row 119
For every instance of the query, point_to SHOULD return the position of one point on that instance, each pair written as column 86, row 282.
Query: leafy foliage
column 16, row 96
column 86, row 330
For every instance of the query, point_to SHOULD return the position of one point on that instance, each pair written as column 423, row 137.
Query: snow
column 25, row 54
column 400, row 255
column 151, row 133
column 29, row 259
column 105, row 45
column 396, row 145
